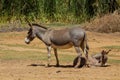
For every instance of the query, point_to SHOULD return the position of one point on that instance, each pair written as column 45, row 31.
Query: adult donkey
column 64, row 38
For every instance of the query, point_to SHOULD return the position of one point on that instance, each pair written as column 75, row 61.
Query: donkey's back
column 68, row 37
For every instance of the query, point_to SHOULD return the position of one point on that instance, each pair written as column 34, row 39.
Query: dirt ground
column 23, row 70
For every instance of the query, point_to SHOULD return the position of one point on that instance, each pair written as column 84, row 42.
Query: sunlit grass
column 62, row 25
column 32, row 55
column 37, row 55
column 21, row 55
column 23, row 46
column 113, row 61
column 112, row 47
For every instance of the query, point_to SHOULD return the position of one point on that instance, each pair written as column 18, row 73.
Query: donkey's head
column 30, row 36
column 36, row 30
column 31, row 33
column 104, row 57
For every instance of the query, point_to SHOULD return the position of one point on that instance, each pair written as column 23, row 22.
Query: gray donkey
column 99, row 59
column 64, row 38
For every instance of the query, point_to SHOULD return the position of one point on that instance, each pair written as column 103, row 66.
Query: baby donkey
column 99, row 59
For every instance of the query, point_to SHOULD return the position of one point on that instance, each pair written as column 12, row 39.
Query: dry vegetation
column 106, row 24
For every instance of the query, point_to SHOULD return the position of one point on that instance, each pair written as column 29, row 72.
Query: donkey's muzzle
column 27, row 41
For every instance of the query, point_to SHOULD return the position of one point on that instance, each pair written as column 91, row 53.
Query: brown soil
column 23, row 70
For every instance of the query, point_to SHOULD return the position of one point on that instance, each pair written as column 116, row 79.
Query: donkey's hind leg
column 56, row 56
column 84, row 46
column 79, row 56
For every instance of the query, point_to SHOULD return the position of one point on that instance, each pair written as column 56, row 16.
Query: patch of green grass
column 56, row 24
column 112, row 47
column 37, row 55
column 21, row 55
column 61, row 25
column 112, row 55
column 32, row 55
column 66, row 57
column 22, row 45
column 113, row 61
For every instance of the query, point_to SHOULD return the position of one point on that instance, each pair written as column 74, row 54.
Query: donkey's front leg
column 56, row 56
column 49, row 55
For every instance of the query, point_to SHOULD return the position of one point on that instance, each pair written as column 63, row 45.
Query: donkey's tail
column 85, row 45
column 85, row 49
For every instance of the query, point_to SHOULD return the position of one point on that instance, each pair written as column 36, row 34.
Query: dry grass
column 106, row 24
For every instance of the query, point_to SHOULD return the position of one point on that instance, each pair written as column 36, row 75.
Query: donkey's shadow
column 60, row 66
column 35, row 65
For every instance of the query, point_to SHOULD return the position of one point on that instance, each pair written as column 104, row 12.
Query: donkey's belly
column 66, row 46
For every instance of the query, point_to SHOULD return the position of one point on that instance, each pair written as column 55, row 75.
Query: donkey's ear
column 102, row 52
column 108, row 51
column 28, row 22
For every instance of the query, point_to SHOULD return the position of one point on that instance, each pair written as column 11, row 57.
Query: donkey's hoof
column 87, row 65
column 47, row 65
column 76, row 67
column 57, row 65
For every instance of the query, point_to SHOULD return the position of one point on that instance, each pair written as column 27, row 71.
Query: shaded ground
column 19, row 61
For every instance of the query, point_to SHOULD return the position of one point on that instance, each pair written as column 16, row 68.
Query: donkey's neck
column 40, row 33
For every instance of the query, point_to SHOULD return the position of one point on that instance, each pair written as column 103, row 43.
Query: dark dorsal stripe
column 34, row 24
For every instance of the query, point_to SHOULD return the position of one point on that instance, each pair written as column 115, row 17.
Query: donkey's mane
column 34, row 24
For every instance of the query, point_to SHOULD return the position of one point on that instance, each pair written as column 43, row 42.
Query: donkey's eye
column 30, row 31
column 29, row 35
